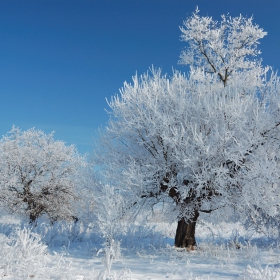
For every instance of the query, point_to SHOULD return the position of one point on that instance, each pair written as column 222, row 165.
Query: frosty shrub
column 266, row 273
column 110, row 206
column 24, row 256
column 60, row 233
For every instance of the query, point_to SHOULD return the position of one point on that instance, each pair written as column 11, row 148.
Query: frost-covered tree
column 196, row 144
column 227, row 48
column 204, row 146
column 38, row 175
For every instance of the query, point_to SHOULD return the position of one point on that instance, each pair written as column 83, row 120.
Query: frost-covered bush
column 60, row 233
column 24, row 256
column 66, row 234
column 110, row 207
column 142, row 238
column 266, row 273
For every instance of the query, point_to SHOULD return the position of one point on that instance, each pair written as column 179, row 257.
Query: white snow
column 147, row 254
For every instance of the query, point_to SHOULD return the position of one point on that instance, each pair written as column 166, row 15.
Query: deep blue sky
column 60, row 59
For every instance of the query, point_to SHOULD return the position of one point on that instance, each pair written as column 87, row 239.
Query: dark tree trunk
column 35, row 212
column 185, row 233
column 32, row 218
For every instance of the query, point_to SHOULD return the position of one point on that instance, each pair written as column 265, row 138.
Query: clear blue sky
column 60, row 59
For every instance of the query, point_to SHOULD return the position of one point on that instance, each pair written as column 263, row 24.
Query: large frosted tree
column 202, row 142
column 38, row 175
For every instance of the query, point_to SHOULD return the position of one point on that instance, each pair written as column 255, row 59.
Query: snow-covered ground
column 146, row 252
column 214, row 263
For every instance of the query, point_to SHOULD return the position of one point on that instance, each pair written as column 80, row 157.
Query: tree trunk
column 32, row 218
column 185, row 233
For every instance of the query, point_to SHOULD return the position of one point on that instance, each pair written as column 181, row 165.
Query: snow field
column 70, row 251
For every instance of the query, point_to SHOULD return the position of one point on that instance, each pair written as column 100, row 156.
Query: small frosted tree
column 227, row 48
column 195, row 143
column 38, row 175
column 110, row 206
